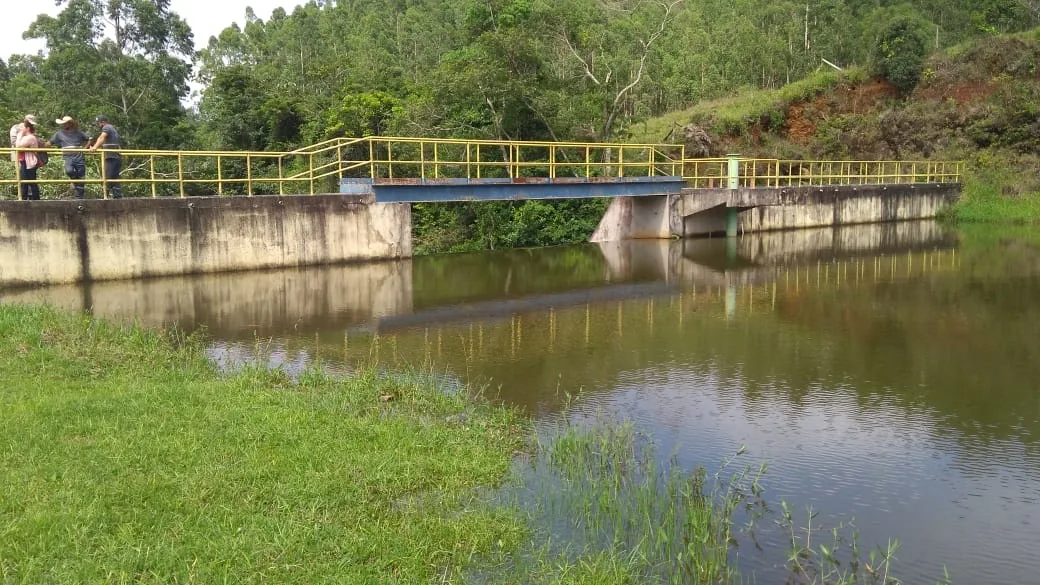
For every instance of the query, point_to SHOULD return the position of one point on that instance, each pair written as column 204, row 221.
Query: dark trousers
column 113, row 166
column 76, row 170
column 30, row 191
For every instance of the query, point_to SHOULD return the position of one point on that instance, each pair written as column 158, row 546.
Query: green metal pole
column 733, row 176
column 732, row 221
column 732, row 182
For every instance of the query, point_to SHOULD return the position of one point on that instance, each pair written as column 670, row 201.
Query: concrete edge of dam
column 50, row 242
column 697, row 212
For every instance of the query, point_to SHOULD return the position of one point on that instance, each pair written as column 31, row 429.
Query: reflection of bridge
column 392, row 296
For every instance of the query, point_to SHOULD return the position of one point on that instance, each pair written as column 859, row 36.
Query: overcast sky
column 205, row 17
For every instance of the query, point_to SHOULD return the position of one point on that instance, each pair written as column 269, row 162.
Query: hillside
column 979, row 102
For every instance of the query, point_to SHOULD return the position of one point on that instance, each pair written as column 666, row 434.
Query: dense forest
column 516, row 69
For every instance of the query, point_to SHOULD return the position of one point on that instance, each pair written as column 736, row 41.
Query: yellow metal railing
column 714, row 173
column 319, row 168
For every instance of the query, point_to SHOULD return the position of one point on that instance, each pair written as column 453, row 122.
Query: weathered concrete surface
column 800, row 207
column 698, row 212
column 243, row 304
column 49, row 242
column 629, row 218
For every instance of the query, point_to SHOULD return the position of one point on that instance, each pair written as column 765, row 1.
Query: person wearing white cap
column 28, row 160
column 71, row 137
column 16, row 132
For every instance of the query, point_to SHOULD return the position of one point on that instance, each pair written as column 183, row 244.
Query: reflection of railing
column 535, row 326
column 319, row 168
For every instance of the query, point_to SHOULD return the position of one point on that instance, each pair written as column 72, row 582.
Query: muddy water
column 886, row 373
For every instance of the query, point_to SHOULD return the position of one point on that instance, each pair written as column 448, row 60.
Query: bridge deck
column 506, row 189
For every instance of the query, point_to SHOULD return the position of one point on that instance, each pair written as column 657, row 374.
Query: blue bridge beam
column 443, row 190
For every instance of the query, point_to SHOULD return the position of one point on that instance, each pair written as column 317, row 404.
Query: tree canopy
column 527, row 69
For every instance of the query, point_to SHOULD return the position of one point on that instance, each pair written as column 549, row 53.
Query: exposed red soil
column 971, row 91
column 802, row 117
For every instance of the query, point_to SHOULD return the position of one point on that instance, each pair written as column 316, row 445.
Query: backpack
column 41, row 158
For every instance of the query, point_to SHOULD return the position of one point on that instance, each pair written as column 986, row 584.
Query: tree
column 900, row 52
column 607, row 45
column 128, row 59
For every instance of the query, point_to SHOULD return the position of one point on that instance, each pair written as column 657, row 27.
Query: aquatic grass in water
column 611, row 513
column 604, row 509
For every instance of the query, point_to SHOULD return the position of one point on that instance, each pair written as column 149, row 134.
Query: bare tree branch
column 588, row 70
column 647, row 44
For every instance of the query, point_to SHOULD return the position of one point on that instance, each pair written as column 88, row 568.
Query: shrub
column 900, row 52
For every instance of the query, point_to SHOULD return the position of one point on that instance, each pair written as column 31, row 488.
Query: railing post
column 151, row 168
column 552, row 162
column 372, row 158
column 621, row 162
column 588, row 162
column 310, row 174
column 104, row 179
column 469, row 169
column 422, row 160
column 180, row 173
column 220, row 175
column 281, row 176
column 436, row 162
column 249, row 174
column 478, row 161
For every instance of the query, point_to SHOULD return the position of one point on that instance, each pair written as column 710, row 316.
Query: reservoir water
column 888, row 374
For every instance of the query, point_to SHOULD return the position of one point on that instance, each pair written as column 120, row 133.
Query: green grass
column 735, row 114
column 998, row 190
column 125, row 457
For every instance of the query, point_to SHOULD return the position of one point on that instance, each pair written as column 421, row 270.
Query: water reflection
column 886, row 371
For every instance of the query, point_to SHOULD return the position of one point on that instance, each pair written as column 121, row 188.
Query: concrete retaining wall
column 801, row 207
column 698, row 212
column 49, row 242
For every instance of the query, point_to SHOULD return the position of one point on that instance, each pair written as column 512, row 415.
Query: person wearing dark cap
column 112, row 162
column 71, row 137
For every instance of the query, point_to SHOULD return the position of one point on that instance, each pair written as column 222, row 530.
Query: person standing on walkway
column 16, row 132
column 112, row 162
column 70, row 136
column 28, row 161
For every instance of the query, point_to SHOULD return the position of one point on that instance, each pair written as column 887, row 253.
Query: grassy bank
column 999, row 190
column 125, row 457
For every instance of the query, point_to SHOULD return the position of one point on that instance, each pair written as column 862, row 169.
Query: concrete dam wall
column 58, row 242
column 699, row 212
column 53, row 242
